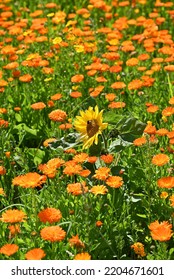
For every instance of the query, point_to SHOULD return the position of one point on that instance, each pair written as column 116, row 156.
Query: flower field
column 86, row 130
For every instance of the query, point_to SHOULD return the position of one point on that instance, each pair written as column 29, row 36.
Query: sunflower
column 90, row 125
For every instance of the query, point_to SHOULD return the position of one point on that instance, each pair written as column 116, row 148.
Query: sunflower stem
column 104, row 141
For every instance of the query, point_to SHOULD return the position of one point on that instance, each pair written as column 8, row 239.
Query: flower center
column 92, row 128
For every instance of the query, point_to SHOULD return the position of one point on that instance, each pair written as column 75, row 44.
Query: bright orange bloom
column 92, row 159
column 118, row 85
column 117, row 105
column 172, row 200
column 135, row 84
column 171, row 100
column 169, row 111
column 140, row 141
column 162, row 131
column 50, row 215
column 14, row 229
column 38, row 106
column 152, row 109
column 114, row 181
column 108, row 158
column 85, row 173
column 9, row 249
column 164, row 195
column 11, row 65
column 99, row 189
column 80, row 158
column 169, row 68
column 160, row 159
column 57, row 115
column 76, row 242
column 76, row 94
column 3, row 123
column 170, row 134
column 2, row 170
column 102, row 173
column 77, row 78
column 29, row 180
column 35, row 254
column 13, row 216
column 161, row 231
column 56, row 96
column 132, row 61
column 77, row 188
column 65, row 126
column 98, row 224
column 82, row 256
column 25, row 78
column 50, row 168
column 49, row 141
column 2, row 192
column 166, row 182
column 138, row 248
column 72, row 168
column 110, row 96
column 150, row 129
column 53, row 233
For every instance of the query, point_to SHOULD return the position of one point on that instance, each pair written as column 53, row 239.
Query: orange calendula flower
column 50, row 215
column 99, row 189
column 14, row 229
column 13, row 216
column 29, row 180
column 72, row 168
column 77, row 188
column 102, row 173
column 160, row 159
column 53, row 233
column 77, row 78
column 161, row 231
column 172, row 200
column 166, row 182
column 80, row 158
column 167, row 112
column 56, row 96
column 25, row 78
column 38, row 106
column 135, row 84
column 114, row 181
column 108, row 158
column 76, row 242
column 139, row 141
column 98, row 223
column 118, row 85
column 9, row 249
column 2, row 192
column 117, row 105
column 164, row 195
column 2, row 170
column 150, row 129
column 49, row 141
column 35, row 254
column 57, row 115
column 138, row 248
column 83, row 256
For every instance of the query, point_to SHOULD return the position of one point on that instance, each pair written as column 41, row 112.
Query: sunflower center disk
column 92, row 128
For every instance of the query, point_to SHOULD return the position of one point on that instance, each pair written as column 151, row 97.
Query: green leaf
column 142, row 216
column 24, row 127
column 111, row 117
column 18, row 117
column 37, row 155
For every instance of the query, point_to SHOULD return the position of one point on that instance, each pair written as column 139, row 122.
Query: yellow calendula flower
column 90, row 124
